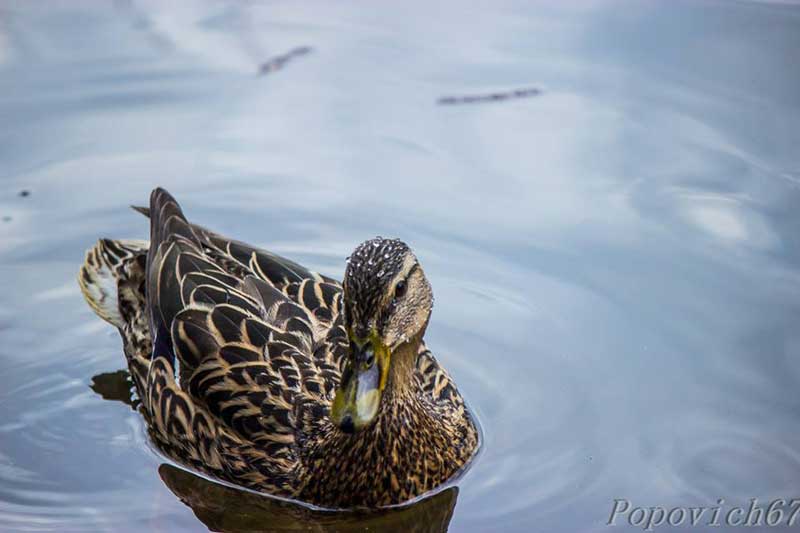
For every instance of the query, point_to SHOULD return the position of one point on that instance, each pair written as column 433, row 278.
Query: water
column 615, row 259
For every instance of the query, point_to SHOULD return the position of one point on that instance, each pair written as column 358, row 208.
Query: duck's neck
column 401, row 385
column 395, row 458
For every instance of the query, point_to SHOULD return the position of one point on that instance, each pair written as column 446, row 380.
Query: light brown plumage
column 237, row 353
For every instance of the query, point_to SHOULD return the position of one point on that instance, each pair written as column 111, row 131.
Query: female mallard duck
column 258, row 371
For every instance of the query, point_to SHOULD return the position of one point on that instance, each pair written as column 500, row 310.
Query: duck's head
column 387, row 304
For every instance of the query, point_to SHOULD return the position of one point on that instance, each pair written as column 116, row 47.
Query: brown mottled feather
column 236, row 353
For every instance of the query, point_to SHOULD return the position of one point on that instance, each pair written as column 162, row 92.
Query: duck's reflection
column 115, row 386
column 227, row 509
column 224, row 508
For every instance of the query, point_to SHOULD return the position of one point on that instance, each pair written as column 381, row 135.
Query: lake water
column 615, row 255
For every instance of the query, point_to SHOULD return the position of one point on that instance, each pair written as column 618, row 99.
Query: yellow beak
column 359, row 394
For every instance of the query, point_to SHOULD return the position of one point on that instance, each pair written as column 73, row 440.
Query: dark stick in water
column 278, row 62
column 491, row 97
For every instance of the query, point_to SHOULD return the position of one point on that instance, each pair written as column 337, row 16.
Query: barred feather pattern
column 236, row 354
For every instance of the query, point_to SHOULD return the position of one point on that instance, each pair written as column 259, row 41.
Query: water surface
column 615, row 258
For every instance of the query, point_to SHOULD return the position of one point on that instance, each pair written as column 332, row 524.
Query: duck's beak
column 363, row 380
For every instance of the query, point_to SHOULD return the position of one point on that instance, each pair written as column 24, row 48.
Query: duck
column 257, row 371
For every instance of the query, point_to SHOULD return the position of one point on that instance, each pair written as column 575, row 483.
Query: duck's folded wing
column 249, row 373
column 271, row 267
column 231, row 262
column 237, row 256
column 245, row 348
column 436, row 382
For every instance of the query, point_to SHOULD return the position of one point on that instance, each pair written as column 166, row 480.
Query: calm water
column 616, row 260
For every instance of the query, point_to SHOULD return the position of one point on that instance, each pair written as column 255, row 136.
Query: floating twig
column 491, row 97
column 278, row 62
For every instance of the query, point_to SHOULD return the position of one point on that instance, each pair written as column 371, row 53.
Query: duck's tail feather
column 141, row 209
column 108, row 265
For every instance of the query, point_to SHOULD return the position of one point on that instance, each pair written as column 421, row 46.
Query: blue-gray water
column 616, row 260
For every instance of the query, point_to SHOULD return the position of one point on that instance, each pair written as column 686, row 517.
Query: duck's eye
column 400, row 289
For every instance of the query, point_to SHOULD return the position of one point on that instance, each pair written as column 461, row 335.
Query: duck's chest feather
column 410, row 449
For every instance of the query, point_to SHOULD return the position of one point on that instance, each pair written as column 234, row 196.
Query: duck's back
column 225, row 342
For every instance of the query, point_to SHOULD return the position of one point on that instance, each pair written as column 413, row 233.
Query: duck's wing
column 436, row 383
column 254, row 335
column 318, row 294
column 244, row 259
column 440, row 393
column 270, row 267
column 185, row 257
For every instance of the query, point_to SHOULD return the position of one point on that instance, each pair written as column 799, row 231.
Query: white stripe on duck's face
column 408, row 307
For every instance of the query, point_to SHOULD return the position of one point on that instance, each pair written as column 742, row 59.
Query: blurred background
column 604, row 195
